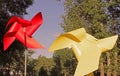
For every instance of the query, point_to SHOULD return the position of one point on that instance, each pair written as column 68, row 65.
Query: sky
column 52, row 10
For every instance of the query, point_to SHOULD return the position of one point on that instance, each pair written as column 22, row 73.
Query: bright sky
column 50, row 29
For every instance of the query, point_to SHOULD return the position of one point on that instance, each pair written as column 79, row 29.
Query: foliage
column 44, row 64
column 31, row 63
column 14, row 56
column 42, row 72
column 101, row 19
column 66, row 61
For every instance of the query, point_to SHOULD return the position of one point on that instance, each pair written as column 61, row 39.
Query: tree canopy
column 14, row 56
column 101, row 19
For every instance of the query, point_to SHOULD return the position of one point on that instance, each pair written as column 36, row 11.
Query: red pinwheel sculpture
column 22, row 30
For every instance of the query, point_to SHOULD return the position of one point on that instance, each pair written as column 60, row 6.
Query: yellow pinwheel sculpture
column 86, row 48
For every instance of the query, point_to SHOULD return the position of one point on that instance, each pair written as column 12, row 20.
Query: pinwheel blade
column 19, row 20
column 107, row 43
column 67, row 39
column 28, row 41
column 9, row 36
column 60, row 43
column 88, row 51
column 22, row 30
column 7, row 41
column 36, row 23
column 85, row 47
column 32, row 43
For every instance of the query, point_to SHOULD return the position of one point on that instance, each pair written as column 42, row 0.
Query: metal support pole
column 90, row 74
column 25, row 68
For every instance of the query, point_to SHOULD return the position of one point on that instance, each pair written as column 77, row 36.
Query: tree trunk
column 115, row 63
column 108, row 64
column 101, row 69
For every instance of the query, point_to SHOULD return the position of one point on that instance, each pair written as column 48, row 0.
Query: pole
column 90, row 74
column 25, row 66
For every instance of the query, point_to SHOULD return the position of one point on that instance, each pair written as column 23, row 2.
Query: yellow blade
column 60, row 43
column 107, row 43
column 67, row 39
column 91, row 38
column 88, row 60
column 76, row 51
column 86, row 48
column 77, row 35
column 81, row 71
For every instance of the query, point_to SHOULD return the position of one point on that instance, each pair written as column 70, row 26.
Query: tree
column 31, row 63
column 42, row 72
column 65, row 62
column 14, row 55
column 101, row 19
column 114, row 24
column 45, row 63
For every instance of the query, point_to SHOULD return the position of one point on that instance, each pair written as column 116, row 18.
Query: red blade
column 36, row 22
